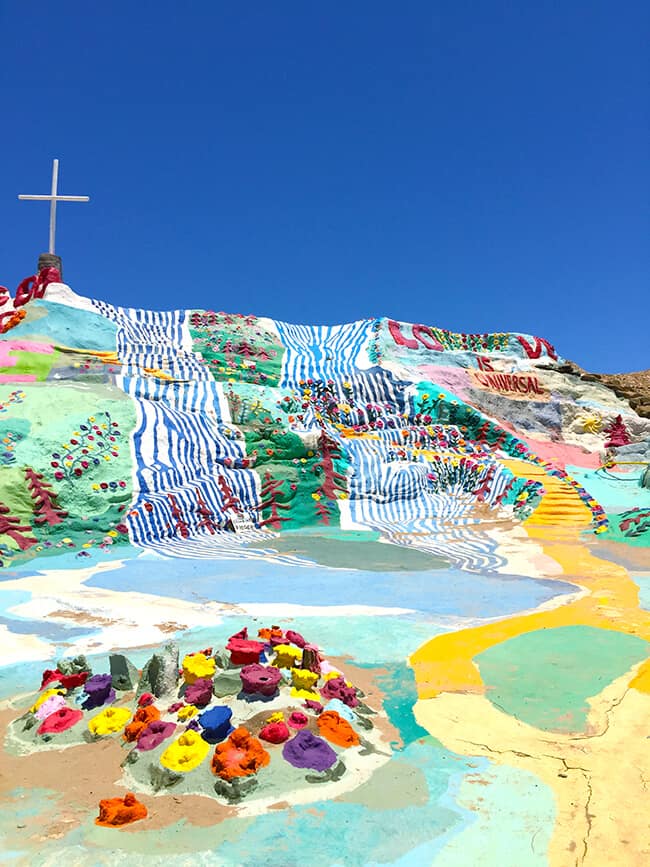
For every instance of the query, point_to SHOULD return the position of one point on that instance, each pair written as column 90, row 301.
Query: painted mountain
column 456, row 525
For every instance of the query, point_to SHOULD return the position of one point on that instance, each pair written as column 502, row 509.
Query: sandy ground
column 601, row 780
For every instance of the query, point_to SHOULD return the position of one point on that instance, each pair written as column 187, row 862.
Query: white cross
column 53, row 198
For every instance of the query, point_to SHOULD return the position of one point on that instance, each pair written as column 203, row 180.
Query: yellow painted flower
column 305, row 694
column 187, row 712
column 44, row 697
column 91, row 418
column 112, row 533
column 198, row 665
column 109, row 721
column 185, row 753
column 315, row 496
column 286, row 656
column 95, row 487
column 303, row 678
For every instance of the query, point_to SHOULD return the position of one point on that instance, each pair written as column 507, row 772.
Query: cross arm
column 57, row 198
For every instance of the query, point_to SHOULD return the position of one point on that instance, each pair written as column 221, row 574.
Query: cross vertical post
column 55, row 183
column 53, row 198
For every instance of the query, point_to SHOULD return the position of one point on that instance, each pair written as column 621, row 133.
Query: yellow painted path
column 446, row 663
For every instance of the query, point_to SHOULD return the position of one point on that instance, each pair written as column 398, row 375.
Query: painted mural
column 374, row 593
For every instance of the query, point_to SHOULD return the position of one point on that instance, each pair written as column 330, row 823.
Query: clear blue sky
column 478, row 166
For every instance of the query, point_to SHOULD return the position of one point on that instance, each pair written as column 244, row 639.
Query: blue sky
column 476, row 166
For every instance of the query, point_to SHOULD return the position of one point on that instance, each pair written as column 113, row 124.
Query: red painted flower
column 59, row 721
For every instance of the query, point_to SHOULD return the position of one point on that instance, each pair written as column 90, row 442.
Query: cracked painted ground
column 437, row 543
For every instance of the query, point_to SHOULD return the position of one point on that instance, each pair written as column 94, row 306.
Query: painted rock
column 68, row 681
column 240, row 756
column 287, row 656
column 49, row 706
column 341, row 709
column 198, row 665
column 199, row 693
column 216, row 724
column 306, row 750
column 99, row 691
column 185, row 753
column 186, row 712
column 244, row 651
column 141, row 719
column 59, row 721
column 109, row 721
column 302, row 678
column 260, row 679
column 336, row 687
column 275, row 732
column 337, row 730
column 154, row 734
column 44, row 697
column 114, row 812
column 295, row 638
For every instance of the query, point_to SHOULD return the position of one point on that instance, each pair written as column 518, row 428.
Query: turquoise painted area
column 545, row 677
column 643, row 582
column 400, row 694
column 66, row 326
column 441, row 592
column 614, row 495
column 515, row 815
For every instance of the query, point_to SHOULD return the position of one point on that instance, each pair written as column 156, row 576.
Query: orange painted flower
column 141, row 719
column 337, row 730
column 114, row 812
column 241, row 755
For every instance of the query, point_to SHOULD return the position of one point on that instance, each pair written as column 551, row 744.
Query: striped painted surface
column 190, row 470
column 188, row 473
column 395, row 499
column 323, row 351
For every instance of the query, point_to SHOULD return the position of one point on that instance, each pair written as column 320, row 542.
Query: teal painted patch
column 544, row 678
column 66, row 326
column 643, row 582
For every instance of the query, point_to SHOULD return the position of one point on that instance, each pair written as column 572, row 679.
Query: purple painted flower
column 306, row 750
column 98, row 689
column 154, row 734
column 199, row 693
column 337, row 688
column 260, row 679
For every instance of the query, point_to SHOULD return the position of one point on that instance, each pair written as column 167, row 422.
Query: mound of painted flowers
column 264, row 716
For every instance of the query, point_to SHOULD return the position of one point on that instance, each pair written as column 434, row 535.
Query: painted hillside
column 459, row 524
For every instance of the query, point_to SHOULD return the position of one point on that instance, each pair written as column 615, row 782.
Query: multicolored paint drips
column 459, row 520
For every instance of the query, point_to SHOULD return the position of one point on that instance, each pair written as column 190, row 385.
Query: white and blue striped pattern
column 394, row 498
column 181, row 445
column 323, row 351
column 156, row 341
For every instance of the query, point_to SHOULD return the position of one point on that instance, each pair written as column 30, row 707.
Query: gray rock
column 123, row 673
column 160, row 674
column 227, row 683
